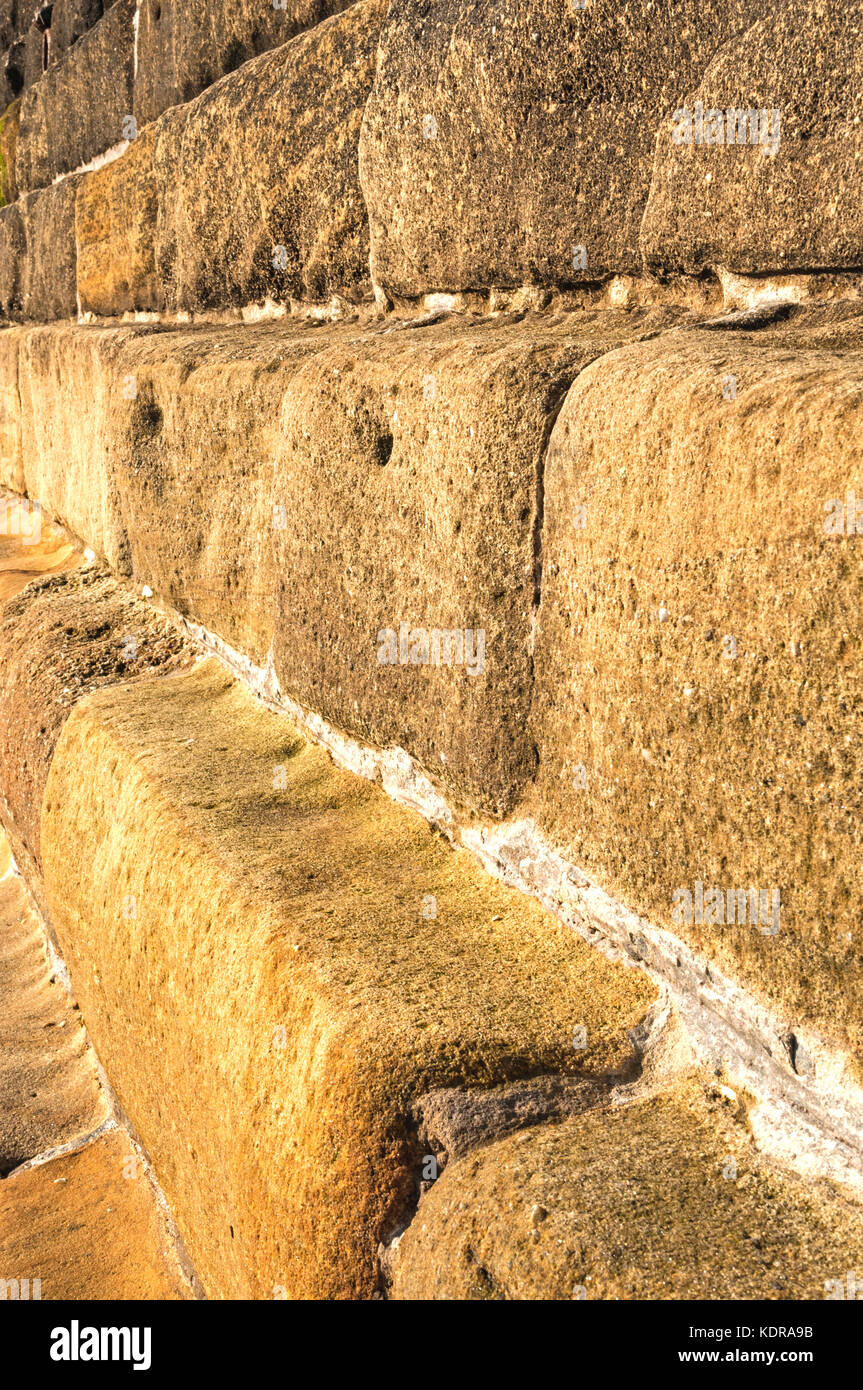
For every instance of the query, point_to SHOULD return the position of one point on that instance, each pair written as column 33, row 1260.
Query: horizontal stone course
column 209, row 455
column 205, row 210
column 703, row 458
column 244, row 216
column 423, row 450
column 513, row 145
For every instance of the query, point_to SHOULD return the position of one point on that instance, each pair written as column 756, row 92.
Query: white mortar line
column 812, row 1121
column 73, row 1146
column 97, row 162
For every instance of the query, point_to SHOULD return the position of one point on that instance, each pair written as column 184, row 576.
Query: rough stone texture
column 12, row 253
column 37, row 255
column 66, row 636
column 635, row 1202
column 71, row 19
column 423, row 450
column 743, row 207
column 422, row 447
column 498, row 138
column 70, row 381
column 232, row 195
column 78, row 109
column 452, row 1122
column 185, row 45
column 8, row 144
column 11, row 465
column 12, row 65
column 270, row 891
column 12, row 20
column 86, row 1230
column 115, row 223
column 50, row 263
column 705, row 522
column 167, row 467
column 192, row 461
column 32, row 43
column 49, row 1092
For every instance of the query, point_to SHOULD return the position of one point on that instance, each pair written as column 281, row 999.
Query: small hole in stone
column 384, row 449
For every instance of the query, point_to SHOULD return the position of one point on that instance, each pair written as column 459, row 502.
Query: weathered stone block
column 513, row 145
column 8, row 143
column 115, row 220
column 790, row 200
column 66, row 636
column 37, row 255
column 297, row 998
column 186, row 45
column 88, row 1229
column 13, row 251
column 45, row 1054
column 664, row 1198
column 410, row 477
column 71, row 19
column 245, row 214
column 33, row 43
column 203, row 461
column 699, row 659
column 63, row 447
column 191, row 458
column 49, row 289
column 11, row 466
column 83, row 105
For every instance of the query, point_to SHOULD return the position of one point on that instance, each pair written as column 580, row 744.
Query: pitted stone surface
column 299, row 1001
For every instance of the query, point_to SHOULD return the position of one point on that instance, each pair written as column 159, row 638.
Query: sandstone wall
column 82, row 105
column 484, row 385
